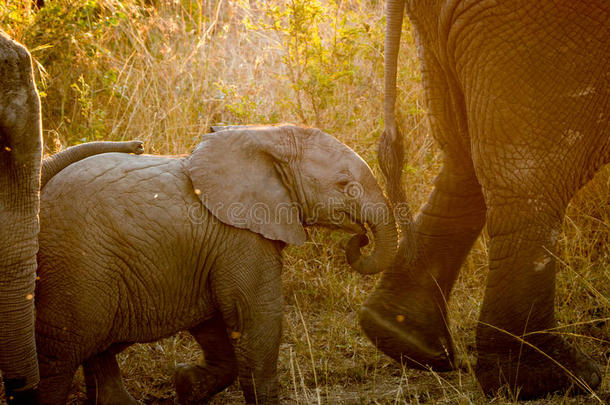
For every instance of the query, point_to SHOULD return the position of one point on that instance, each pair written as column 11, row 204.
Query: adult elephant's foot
column 409, row 326
column 527, row 373
column 196, row 384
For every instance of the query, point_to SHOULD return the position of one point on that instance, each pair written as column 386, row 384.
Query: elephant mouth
column 343, row 220
column 383, row 251
column 352, row 225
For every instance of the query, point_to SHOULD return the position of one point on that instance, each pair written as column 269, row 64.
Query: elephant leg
column 406, row 314
column 103, row 381
column 17, row 323
column 55, row 383
column 256, row 350
column 197, row 383
column 515, row 348
column 250, row 301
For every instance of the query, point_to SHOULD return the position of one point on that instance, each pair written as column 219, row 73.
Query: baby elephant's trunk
column 59, row 161
column 383, row 227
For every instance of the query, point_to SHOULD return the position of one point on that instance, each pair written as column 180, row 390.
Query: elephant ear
column 241, row 177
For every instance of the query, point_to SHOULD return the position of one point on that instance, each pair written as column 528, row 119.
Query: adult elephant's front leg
column 406, row 315
column 516, row 348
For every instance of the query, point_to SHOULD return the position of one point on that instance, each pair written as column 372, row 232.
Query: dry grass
column 164, row 72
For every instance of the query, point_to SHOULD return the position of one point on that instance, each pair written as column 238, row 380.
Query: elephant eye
column 342, row 183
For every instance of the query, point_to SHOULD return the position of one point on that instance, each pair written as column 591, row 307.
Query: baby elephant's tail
column 59, row 161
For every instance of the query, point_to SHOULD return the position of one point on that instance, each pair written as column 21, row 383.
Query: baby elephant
column 137, row 248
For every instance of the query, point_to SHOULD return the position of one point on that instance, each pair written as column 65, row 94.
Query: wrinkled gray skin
column 20, row 155
column 20, row 180
column 136, row 248
column 518, row 96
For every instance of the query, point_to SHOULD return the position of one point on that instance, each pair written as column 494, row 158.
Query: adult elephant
column 20, row 180
column 518, row 99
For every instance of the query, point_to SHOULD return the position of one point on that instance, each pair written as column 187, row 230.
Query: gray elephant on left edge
column 137, row 248
column 20, row 180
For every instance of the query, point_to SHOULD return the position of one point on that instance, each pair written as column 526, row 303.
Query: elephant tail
column 59, row 161
column 391, row 148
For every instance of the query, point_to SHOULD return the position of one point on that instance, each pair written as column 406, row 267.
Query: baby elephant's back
column 115, row 176
column 118, row 207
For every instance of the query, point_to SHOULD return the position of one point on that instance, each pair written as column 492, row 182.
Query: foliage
column 318, row 64
column 68, row 40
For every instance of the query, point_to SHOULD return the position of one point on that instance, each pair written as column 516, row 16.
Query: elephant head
column 279, row 179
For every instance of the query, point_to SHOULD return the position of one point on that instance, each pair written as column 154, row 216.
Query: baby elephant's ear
column 235, row 175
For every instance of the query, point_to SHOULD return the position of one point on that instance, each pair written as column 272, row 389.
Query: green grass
column 165, row 71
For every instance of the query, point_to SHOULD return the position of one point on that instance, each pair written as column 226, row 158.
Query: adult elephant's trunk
column 20, row 152
column 391, row 149
column 57, row 162
column 383, row 226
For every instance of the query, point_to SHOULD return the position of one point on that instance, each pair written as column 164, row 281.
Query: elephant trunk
column 391, row 149
column 18, row 361
column 57, row 162
column 383, row 226
column 18, row 246
column 20, row 153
